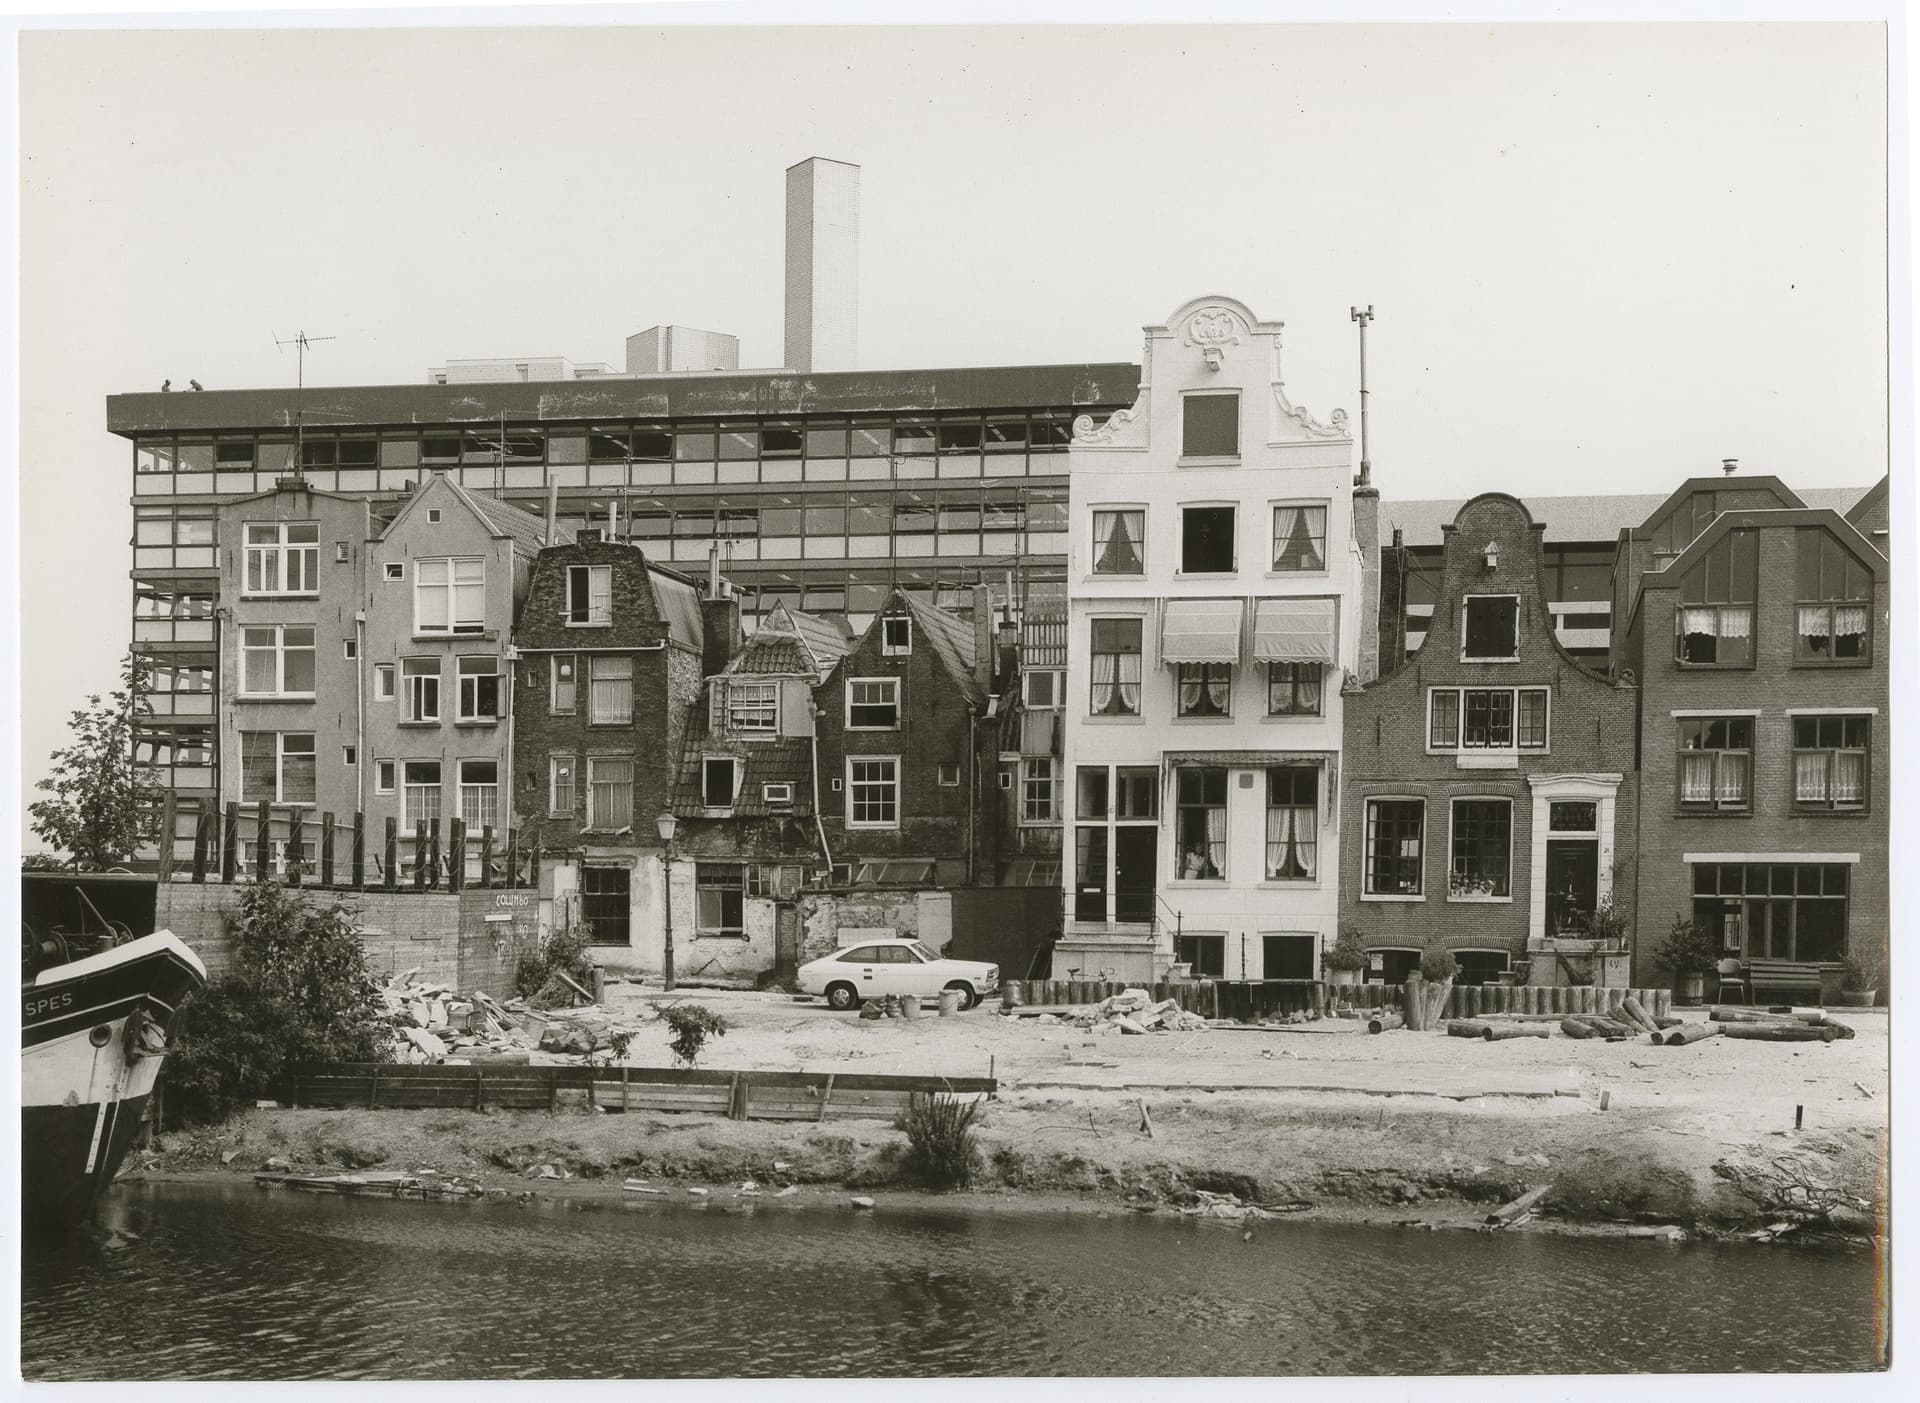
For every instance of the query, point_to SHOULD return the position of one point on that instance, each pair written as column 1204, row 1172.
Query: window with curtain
column 1293, row 826
column 1293, row 689
column 1299, row 538
column 1118, row 537
column 1835, row 592
column 419, row 794
column 1116, row 667
column 1482, row 848
column 1715, row 762
column 560, row 784
column 479, row 688
column 1713, row 627
column 1204, row 689
column 479, row 795
column 1830, row 761
column 1200, row 821
column 609, row 791
column 610, row 691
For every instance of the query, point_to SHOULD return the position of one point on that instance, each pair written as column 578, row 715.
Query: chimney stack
column 1729, row 466
column 823, row 265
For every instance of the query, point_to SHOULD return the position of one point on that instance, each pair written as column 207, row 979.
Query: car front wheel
column 967, row 997
column 842, row 996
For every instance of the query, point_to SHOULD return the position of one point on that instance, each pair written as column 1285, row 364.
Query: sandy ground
column 1418, row 1125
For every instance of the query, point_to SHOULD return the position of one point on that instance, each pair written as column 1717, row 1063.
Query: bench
column 1766, row 975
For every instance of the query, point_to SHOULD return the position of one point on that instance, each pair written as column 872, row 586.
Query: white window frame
column 941, row 771
column 394, row 571
column 1366, row 844
column 1039, row 780
column 474, row 789
column 854, row 787
column 889, row 648
column 594, row 661
column 280, row 753
column 593, row 819
column 408, row 820
column 598, row 611
column 1238, row 446
column 279, row 651
column 390, row 770
column 350, row 755
column 1093, row 539
column 892, row 684
column 733, row 788
column 471, row 714
column 1514, row 747
column 1321, row 505
column 758, row 700
column 1056, row 684
column 568, row 763
column 284, row 555
column 461, row 619
column 779, row 792
column 350, row 649
column 417, row 692
column 385, row 681
column 1466, row 601
column 1453, row 805
column 572, row 683
column 1233, row 568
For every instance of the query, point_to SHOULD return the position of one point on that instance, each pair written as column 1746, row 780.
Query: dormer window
column 1492, row 628
column 589, row 595
column 719, row 779
column 1210, row 426
column 750, row 707
column 896, row 636
column 776, row 795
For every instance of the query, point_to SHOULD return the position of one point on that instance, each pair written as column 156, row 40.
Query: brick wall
column 1385, row 753
column 449, row 939
column 1772, row 687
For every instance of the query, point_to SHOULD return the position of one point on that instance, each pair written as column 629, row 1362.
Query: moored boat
column 93, row 1035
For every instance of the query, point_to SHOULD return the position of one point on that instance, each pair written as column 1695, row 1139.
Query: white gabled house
column 1221, row 559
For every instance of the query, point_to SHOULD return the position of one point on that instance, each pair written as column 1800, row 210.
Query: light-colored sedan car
column 874, row 968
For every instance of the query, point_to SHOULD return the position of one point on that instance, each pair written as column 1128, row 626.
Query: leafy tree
column 103, row 805
column 300, row 992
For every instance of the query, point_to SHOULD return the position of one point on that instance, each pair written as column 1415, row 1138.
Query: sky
column 1601, row 257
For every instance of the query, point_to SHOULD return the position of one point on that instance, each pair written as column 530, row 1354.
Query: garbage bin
column 949, row 1002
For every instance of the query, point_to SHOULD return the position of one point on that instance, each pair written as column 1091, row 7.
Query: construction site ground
column 1318, row 1118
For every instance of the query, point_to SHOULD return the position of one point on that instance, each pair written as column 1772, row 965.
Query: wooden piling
column 359, row 858
column 169, row 807
column 296, row 845
column 202, row 823
column 486, row 855
column 263, row 841
column 456, row 855
column 230, row 845
column 392, row 874
column 419, row 854
column 326, row 850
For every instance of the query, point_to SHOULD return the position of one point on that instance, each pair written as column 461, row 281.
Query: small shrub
column 691, row 1025
column 1687, row 949
column 1437, row 963
column 1608, row 923
column 1347, row 952
column 564, row 951
column 941, row 1147
column 1863, row 971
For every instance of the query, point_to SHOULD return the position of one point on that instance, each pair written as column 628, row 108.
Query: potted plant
column 1345, row 959
column 1860, row 981
column 1687, row 954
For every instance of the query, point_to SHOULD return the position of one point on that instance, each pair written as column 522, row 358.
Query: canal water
column 233, row 1282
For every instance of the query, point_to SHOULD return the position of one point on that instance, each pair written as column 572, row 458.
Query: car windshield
column 923, row 952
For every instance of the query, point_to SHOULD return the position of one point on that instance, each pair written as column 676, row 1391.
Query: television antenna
column 301, row 340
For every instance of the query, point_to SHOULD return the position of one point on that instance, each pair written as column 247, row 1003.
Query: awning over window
column 1248, row 759
column 1293, row 630
column 1202, row 631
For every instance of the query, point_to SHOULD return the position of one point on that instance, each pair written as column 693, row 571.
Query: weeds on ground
column 941, row 1146
column 691, row 1025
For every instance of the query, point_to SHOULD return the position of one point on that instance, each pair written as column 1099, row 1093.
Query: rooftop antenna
column 301, row 340
column 1366, row 464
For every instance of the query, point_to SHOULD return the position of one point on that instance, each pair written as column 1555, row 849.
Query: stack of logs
column 1771, row 1025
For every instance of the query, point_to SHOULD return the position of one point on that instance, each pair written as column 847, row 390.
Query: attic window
column 718, row 782
column 896, row 637
column 1492, row 626
column 433, row 516
column 776, row 793
column 589, row 595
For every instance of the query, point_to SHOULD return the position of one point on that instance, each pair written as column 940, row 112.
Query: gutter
column 813, row 753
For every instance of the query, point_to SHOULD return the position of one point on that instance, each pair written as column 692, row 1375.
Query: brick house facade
column 609, row 665
column 1488, row 797
column 1761, row 650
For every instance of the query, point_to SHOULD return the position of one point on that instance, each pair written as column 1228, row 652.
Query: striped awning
column 1201, row 631
column 1294, row 630
column 1248, row 759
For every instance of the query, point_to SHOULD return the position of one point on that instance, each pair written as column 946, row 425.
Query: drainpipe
column 360, row 711
column 813, row 751
column 973, row 792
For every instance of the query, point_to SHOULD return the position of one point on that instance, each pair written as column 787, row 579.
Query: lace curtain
column 1292, row 844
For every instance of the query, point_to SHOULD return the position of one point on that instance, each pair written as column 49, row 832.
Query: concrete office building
column 681, row 350
column 823, row 265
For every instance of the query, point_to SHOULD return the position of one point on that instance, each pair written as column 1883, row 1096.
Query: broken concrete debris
column 1133, row 1011
column 434, row 1023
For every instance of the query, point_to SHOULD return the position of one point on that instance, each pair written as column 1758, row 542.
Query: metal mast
column 1366, row 464
column 301, row 340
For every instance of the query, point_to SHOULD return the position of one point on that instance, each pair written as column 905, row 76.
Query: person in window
column 1197, row 866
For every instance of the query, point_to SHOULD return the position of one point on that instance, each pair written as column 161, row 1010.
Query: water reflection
column 232, row 1282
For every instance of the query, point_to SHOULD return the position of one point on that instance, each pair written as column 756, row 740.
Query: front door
column 1573, row 885
column 1134, row 856
column 1090, row 875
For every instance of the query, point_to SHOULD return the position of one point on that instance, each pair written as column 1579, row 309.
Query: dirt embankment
column 1702, row 1137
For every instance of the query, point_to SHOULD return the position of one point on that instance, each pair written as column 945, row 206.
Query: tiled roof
column 825, row 640
column 950, row 636
column 1594, row 518
column 784, row 761
column 503, row 519
column 771, row 655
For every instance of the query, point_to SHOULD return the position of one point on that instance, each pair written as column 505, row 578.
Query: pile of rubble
column 1134, row 1011
column 433, row 1023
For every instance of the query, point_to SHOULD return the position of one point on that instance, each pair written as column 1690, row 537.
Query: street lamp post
column 666, row 823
